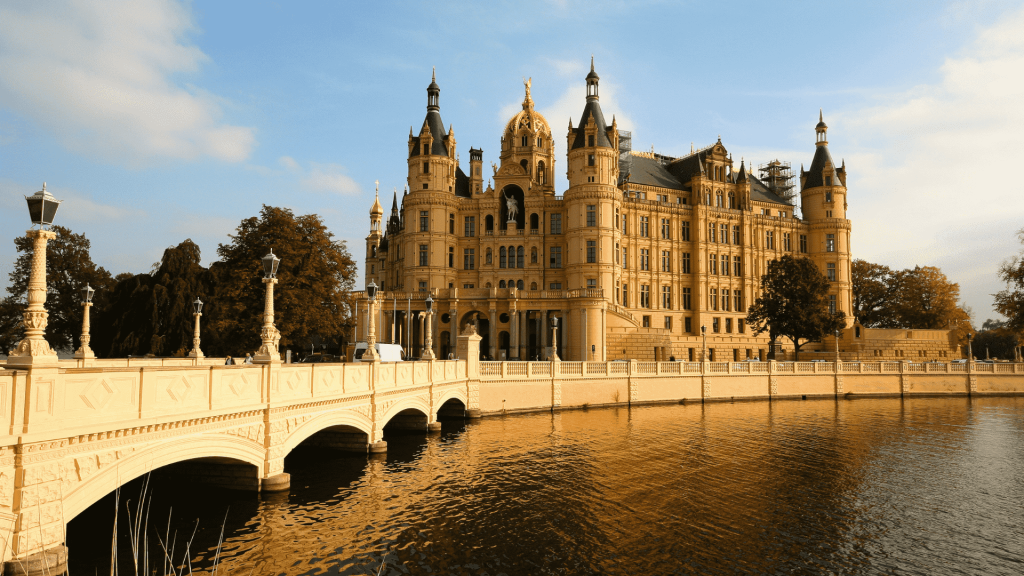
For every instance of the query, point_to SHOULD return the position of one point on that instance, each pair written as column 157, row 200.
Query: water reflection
column 921, row 486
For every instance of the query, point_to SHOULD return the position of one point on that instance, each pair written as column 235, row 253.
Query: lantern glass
column 42, row 207
column 430, row 303
column 270, row 264
column 87, row 293
column 703, row 329
column 554, row 321
column 371, row 290
column 198, row 304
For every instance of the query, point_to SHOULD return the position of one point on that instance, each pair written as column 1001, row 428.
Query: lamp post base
column 32, row 353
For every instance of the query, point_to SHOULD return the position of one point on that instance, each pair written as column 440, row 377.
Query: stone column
column 469, row 352
column 428, row 346
column 85, row 352
column 196, row 352
column 513, row 341
column 371, row 336
column 34, row 350
column 493, row 351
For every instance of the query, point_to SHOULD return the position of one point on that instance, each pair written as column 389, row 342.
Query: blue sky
column 157, row 120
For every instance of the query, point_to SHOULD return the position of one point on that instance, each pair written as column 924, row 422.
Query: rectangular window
column 625, row 294
column 715, row 326
column 832, row 304
column 555, row 286
column 666, row 261
column 468, row 259
column 469, row 285
column 687, row 304
column 470, row 226
column 668, row 323
column 725, row 264
column 666, row 297
column 424, row 221
column 737, row 268
column 736, row 235
column 556, row 223
column 713, row 264
column 625, row 257
column 684, row 232
column 830, row 242
column 451, row 257
column 737, row 302
column 728, row 325
column 725, row 299
column 740, row 325
column 769, row 240
column 644, row 222
column 711, row 232
column 685, row 269
column 423, row 286
column 831, row 271
column 423, row 254
column 803, row 244
column 713, row 299
column 647, row 321
column 645, row 259
column 451, row 223
column 645, row 296
column 591, row 215
column 688, row 327
column 786, row 245
column 591, row 282
column 624, row 222
column 590, row 160
column 666, row 229
column 591, row 251
column 556, row 256
column 723, row 233
column 617, row 252
column 426, row 167
column 590, row 140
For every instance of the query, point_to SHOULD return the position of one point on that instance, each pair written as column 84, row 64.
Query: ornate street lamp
column 837, row 349
column 371, row 337
column 704, row 337
column 84, row 351
column 554, row 339
column 270, row 335
column 34, row 350
column 428, row 338
column 196, row 352
column 970, row 354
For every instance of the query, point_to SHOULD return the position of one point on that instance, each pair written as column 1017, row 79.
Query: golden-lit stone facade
column 640, row 252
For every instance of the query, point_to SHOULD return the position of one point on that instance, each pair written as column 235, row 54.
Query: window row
column 469, row 223
column 736, row 303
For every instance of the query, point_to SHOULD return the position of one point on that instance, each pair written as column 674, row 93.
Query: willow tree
column 794, row 303
column 315, row 277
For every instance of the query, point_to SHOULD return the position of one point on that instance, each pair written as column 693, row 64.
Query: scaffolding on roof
column 777, row 176
column 625, row 153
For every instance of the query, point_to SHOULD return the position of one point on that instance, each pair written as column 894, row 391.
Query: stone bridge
column 75, row 434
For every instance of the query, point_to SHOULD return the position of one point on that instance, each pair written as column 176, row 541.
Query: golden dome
column 376, row 209
column 528, row 119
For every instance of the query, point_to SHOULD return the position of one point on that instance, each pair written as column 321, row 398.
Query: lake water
column 877, row 486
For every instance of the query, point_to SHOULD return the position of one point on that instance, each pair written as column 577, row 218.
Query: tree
column 873, row 293
column 68, row 269
column 926, row 299
column 794, row 303
column 154, row 313
column 1010, row 301
column 314, row 279
column 995, row 340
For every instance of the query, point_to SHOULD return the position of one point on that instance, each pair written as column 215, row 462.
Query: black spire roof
column 432, row 122
column 592, row 109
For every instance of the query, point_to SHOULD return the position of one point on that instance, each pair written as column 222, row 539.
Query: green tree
column 154, row 313
column 69, row 268
column 794, row 303
column 314, row 279
column 926, row 299
column 1010, row 301
column 995, row 340
column 874, row 291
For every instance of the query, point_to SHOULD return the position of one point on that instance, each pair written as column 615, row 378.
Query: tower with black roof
column 823, row 200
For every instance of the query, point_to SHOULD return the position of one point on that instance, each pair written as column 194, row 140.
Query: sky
column 158, row 120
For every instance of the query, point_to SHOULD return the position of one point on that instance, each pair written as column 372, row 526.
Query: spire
column 528, row 100
column 394, row 201
column 742, row 177
column 376, row 210
column 592, row 80
column 820, row 130
column 433, row 92
column 592, row 111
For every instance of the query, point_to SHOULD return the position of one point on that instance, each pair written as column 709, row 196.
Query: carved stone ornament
column 470, row 330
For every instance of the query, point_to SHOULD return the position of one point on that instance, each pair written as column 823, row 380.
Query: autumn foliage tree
column 794, row 303
column 314, row 279
column 69, row 267
column 921, row 297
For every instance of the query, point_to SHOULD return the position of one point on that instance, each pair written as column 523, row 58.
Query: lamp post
column 704, row 336
column 837, row 349
column 196, row 352
column 428, row 338
column 34, row 349
column 84, row 351
column 371, row 336
column 268, row 350
column 970, row 354
column 554, row 339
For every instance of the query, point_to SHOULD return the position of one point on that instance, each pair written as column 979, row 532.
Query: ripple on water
column 922, row 486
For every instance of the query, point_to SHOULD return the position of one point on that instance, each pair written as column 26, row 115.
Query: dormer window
column 426, row 150
column 590, row 141
column 828, row 181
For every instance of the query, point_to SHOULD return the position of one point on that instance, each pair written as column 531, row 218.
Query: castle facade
column 634, row 259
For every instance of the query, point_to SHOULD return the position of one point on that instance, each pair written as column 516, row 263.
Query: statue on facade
column 512, row 207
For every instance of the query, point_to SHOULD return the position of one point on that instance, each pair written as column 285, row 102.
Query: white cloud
column 933, row 177
column 330, row 178
column 288, row 162
column 100, row 76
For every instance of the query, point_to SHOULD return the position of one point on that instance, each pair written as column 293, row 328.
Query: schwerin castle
column 639, row 254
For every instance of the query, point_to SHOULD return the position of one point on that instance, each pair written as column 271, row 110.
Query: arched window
column 501, row 283
column 534, row 221
column 519, row 285
column 521, row 258
column 732, row 200
column 511, row 283
column 541, row 176
column 707, row 198
column 501, row 257
column 540, row 143
column 488, row 285
column 525, row 165
column 489, row 223
column 533, row 256
column 718, row 199
column 488, row 256
column 533, row 286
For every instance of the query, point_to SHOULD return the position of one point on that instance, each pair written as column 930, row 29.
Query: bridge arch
column 91, row 489
column 323, row 422
column 456, row 393
column 417, row 403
